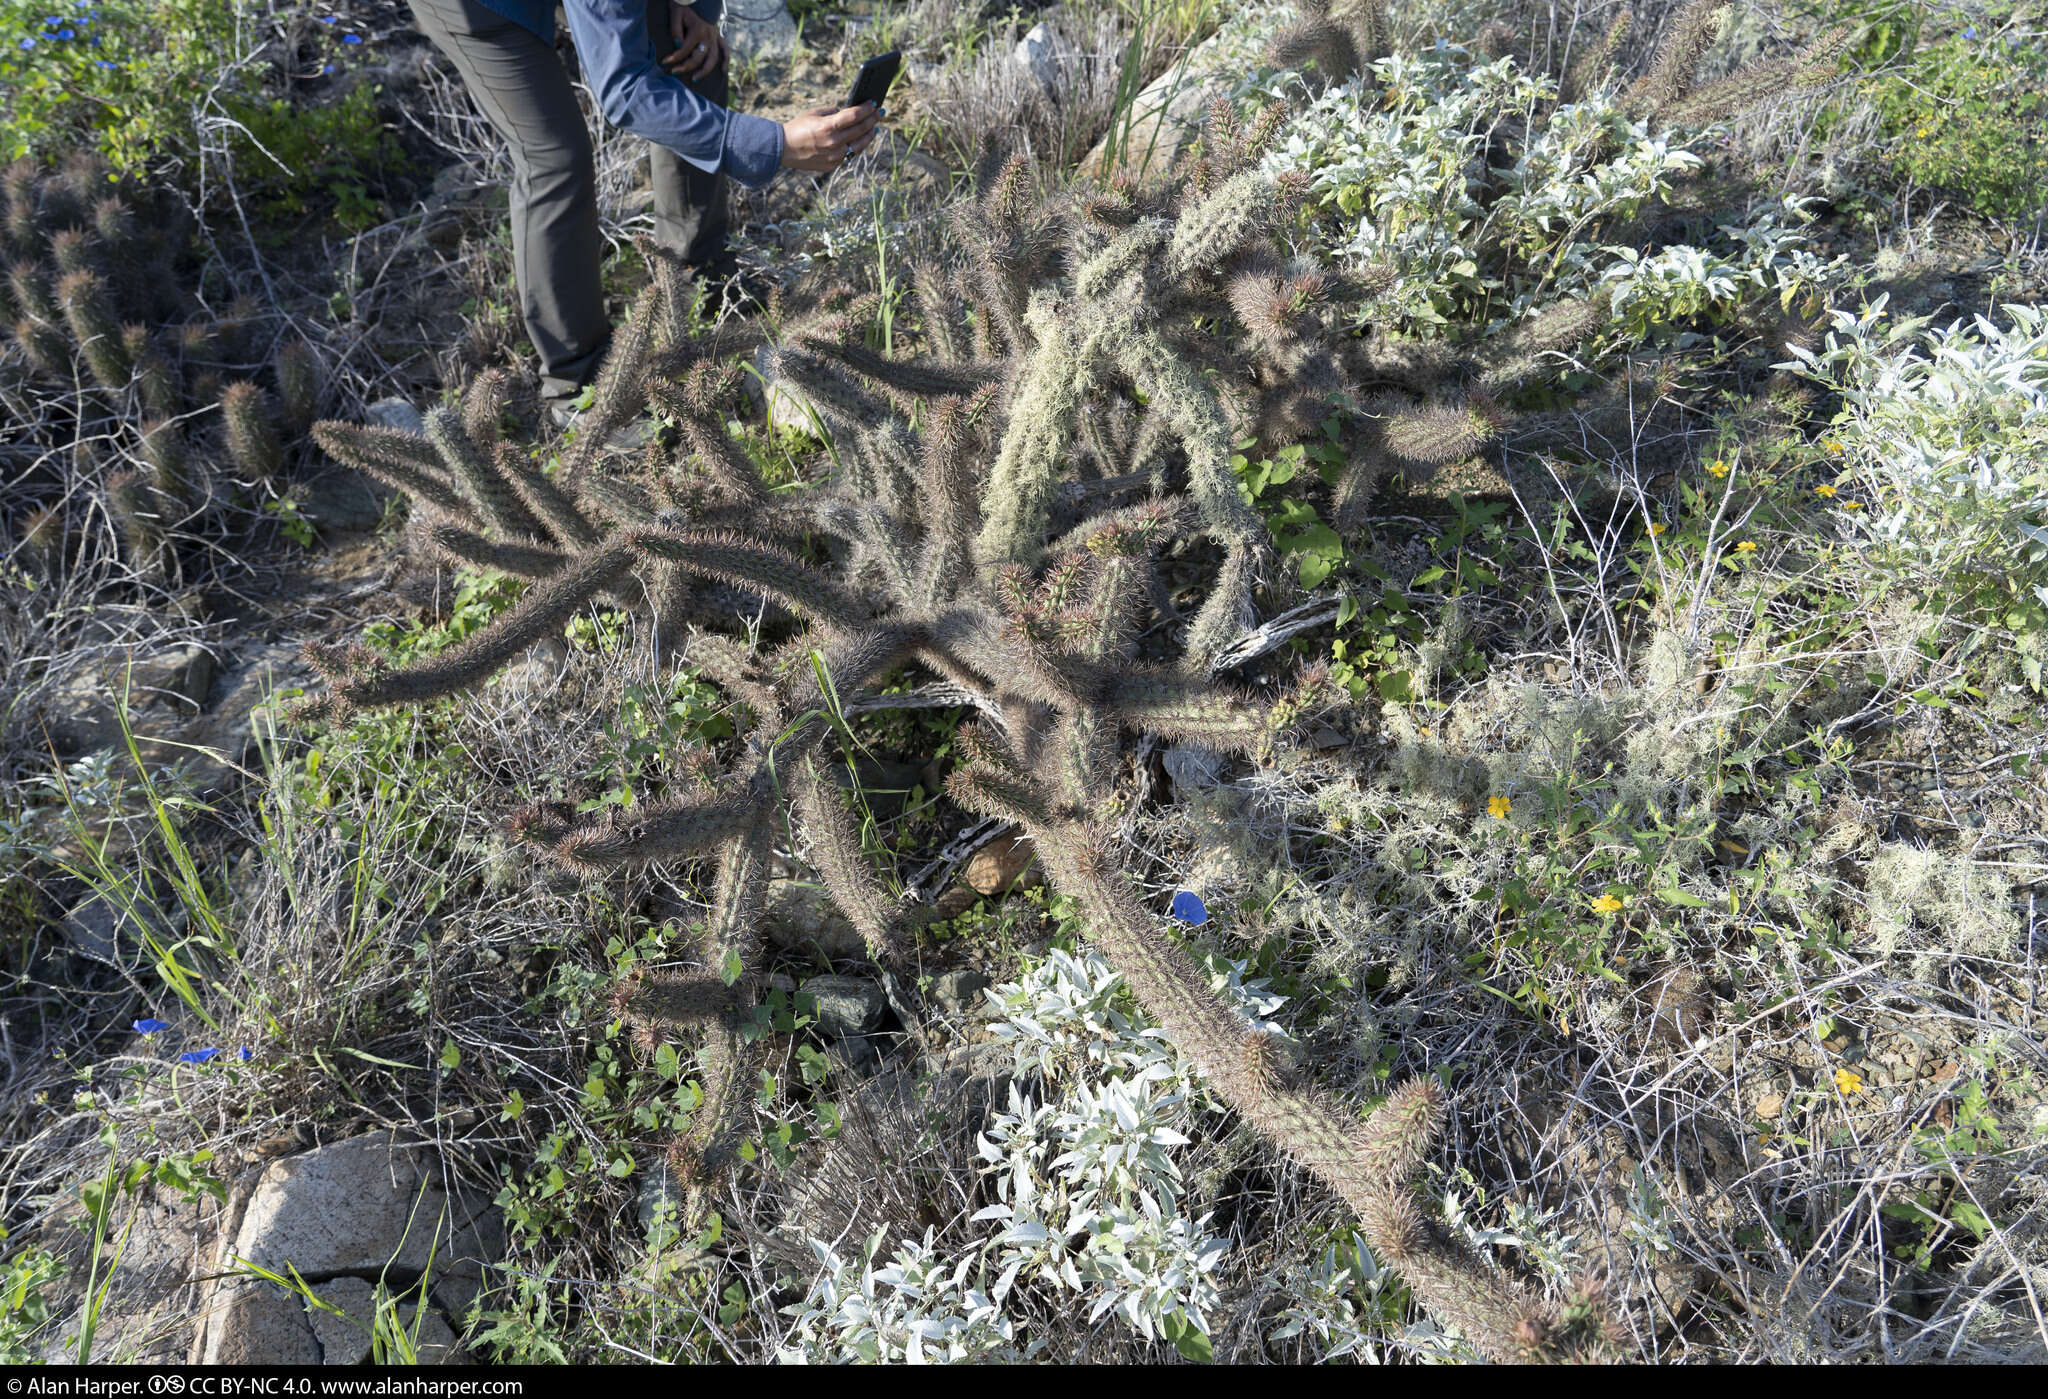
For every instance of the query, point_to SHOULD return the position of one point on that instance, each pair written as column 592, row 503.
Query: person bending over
column 659, row 70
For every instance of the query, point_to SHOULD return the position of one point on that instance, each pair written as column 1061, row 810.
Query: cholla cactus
column 95, row 301
column 955, row 560
column 1329, row 43
column 254, row 443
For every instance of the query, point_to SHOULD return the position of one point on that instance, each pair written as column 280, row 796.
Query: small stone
column 847, row 1006
column 1192, row 768
column 958, row 992
column 113, row 931
column 350, row 1339
column 854, row 1058
column 398, row 414
column 161, row 687
column 658, row 1186
column 259, row 1323
column 759, row 29
column 339, row 501
column 789, row 410
column 1005, row 863
column 798, row 915
column 1045, row 55
column 1770, row 1105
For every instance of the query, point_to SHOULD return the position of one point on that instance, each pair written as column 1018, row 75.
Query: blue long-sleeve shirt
column 618, row 58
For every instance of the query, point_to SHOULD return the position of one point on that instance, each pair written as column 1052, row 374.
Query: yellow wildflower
column 1747, row 546
column 1852, row 505
column 1832, row 447
column 1824, row 492
column 1718, row 469
column 1849, row 1081
column 1497, row 808
column 1564, row 1026
column 1607, row 903
column 1656, row 530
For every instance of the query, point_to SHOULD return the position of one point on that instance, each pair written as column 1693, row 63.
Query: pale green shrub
column 916, row 1308
column 1426, row 186
column 1942, row 442
column 1090, row 1194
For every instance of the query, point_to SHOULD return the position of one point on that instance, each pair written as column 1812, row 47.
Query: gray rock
column 847, row 1006
column 1192, row 768
column 151, row 1292
column 339, row 501
column 258, row 1323
column 758, row 29
column 799, row 916
column 258, row 680
column 371, row 1206
column 1165, row 117
column 658, row 1186
column 350, row 1339
column 344, row 1340
column 854, row 1058
column 789, row 409
column 958, row 992
column 1045, row 55
column 162, row 687
column 111, row 931
column 398, row 414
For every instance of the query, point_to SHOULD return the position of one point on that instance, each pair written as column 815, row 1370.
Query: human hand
column 823, row 140
column 699, row 49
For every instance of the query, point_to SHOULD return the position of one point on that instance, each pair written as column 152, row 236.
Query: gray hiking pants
column 520, row 84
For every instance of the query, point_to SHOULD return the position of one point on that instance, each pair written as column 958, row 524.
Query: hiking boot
column 565, row 414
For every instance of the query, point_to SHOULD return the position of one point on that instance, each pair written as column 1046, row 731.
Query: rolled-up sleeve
column 634, row 93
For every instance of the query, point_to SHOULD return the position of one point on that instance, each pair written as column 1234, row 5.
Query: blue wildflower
column 198, row 1056
column 327, row 19
column 1971, row 32
column 28, row 43
column 1189, row 908
column 150, row 1027
column 105, row 63
column 351, row 38
column 329, row 68
column 53, row 19
column 67, row 33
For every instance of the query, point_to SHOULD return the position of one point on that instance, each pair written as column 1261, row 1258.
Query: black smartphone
column 872, row 83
